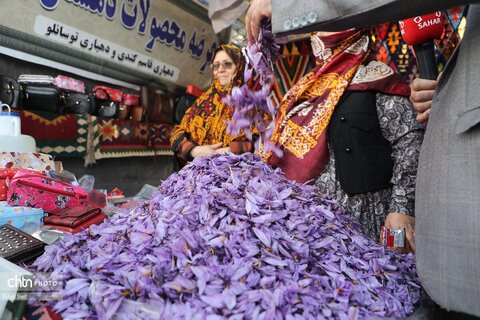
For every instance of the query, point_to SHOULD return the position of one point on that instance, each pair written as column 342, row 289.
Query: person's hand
column 223, row 150
column 200, row 151
column 397, row 221
column 258, row 10
column 422, row 96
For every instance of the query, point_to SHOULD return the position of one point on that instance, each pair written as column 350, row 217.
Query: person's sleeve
column 400, row 128
column 292, row 16
column 180, row 139
column 223, row 13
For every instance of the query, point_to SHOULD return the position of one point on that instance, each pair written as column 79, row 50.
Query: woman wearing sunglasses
column 203, row 129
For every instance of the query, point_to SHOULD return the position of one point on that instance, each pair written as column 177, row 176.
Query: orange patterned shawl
column 206, row 121
column 302, row 119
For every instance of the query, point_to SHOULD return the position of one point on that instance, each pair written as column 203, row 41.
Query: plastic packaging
column 11, row 137
column 87, row 182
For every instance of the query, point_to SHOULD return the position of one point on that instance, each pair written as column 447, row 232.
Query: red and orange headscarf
column 343, row 63
column 205, row 122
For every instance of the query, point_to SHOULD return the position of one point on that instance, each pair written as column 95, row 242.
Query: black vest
column 363, row 157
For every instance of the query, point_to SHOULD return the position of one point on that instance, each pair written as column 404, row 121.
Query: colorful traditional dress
column 206, row 121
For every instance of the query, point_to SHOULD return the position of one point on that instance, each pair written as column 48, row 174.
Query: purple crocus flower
column 228, row 237
column 254, row 108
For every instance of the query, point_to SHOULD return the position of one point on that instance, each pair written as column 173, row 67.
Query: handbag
column 158, row 105
column 137, row 113
column 78, row 103
column 74, row 216
column 123, row 111
column 107, row 101
column 17, row 246
column 107, row 109
column 10, row 91
column 39, row 191
column 35, row 78
column 69, row 84
column 107, row 93
column 41, row 97
column 6, row 174
column 129, row 101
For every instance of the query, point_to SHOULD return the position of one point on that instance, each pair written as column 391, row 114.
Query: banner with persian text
column 153, row 37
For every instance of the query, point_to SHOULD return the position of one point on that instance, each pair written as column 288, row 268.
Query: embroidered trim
column 374, row 71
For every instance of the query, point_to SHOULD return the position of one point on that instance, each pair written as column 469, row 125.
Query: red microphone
column 419, row 32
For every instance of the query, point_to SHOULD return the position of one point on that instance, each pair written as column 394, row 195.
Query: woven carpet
column 57, row 135
column 66, row 135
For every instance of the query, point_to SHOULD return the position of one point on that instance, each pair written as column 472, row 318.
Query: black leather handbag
column 41, row 97
column 10, row 91
column 78, row 103
column 106, row 108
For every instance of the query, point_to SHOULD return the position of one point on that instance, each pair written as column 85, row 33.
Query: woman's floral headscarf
column 205, row 122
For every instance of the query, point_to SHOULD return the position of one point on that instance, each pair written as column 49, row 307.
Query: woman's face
column 223, row 68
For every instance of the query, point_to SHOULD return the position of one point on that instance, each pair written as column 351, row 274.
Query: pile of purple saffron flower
column 253, row 106
column 228, row 237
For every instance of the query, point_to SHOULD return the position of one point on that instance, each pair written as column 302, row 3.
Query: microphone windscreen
column 420, row 29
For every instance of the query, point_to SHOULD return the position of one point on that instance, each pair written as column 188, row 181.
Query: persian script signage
column 153, row 37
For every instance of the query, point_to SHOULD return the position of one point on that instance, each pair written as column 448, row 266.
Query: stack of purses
column 75, row 219
column 17, row 246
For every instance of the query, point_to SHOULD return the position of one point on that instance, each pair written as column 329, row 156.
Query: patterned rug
column 124, row 138
column 66, row 136
column 57, row 135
